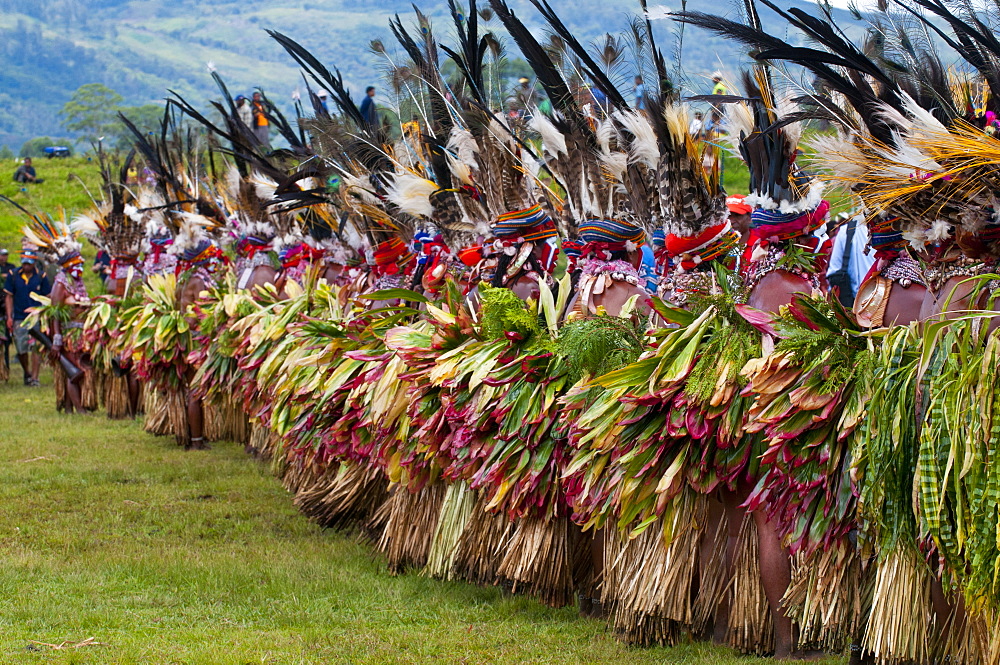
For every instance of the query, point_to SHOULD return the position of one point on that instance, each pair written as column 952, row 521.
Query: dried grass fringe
column 650, row 579
column 116, row 397
column 410, row 522
column 541, row 558
column 714, row 580
column 825, row 597
column 301, row 471
column 157, row 409
column 480, row 548
column 225, row 420
column 345, row 496
column 92, row 388
column 964, row 638
column 263, row 442
column 177, row 416
column 214, row 424
column 751, row 628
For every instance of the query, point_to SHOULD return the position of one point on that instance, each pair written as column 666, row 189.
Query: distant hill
column 142, row 48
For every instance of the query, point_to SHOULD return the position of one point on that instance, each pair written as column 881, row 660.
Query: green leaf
column 393, row 294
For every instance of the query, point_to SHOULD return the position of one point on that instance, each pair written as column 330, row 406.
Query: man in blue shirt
column 368, row 111
column 18, row 287
column 639, row 90
column 850, row 254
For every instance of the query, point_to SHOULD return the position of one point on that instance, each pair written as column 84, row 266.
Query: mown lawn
column 164, row 556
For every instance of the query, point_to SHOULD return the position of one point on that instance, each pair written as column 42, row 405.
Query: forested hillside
column 141, row 48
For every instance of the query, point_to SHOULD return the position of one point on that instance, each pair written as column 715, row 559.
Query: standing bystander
column 5, row 269
column 368, row 111
column 261, row 125
column 18, row 289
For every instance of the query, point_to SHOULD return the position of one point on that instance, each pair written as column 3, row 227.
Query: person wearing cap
column 18, row 289
column 739, row 215
column 244, row 111
column 718, row 87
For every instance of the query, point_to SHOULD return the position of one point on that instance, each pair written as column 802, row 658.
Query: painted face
column 75, row 271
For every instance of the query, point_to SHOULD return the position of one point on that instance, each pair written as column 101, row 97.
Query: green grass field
column 163, row 556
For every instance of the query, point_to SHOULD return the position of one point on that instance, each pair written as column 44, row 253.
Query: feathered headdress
column 54, row 238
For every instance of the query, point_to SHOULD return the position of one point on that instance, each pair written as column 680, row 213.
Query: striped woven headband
column 884, row 236
column 787, row 225
column 611, row 231
column 70, row 259
column 659, row 239
column 516, row 223
column 573, row 247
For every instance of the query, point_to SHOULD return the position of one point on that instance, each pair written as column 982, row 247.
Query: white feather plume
column 463, row 144
column 644, row 148
column 85, row 224
column 263, row 186
column 411, row 194
column 552, row 138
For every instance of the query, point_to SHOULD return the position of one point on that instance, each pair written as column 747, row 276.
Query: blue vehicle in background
column 54, row 151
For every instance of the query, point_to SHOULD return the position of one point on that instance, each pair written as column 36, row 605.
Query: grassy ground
column 164, row 556
column 61, row 191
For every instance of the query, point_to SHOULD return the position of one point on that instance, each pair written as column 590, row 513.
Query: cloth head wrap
column 713, row 242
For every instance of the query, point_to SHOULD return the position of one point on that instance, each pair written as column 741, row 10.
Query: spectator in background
column 739, row 215
column 102, row 266
column 718, row 87
column 368, row 110
column 5, row 265
column 639, row 91
column 261, row 125
column 696, row 126
column 323, row 95
column 18, row 287
column 599, row 97
column 524, row 97
column 850, row 259
column 244, row 111
column 25, row 173
column 5, row 335
column 713, row 126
